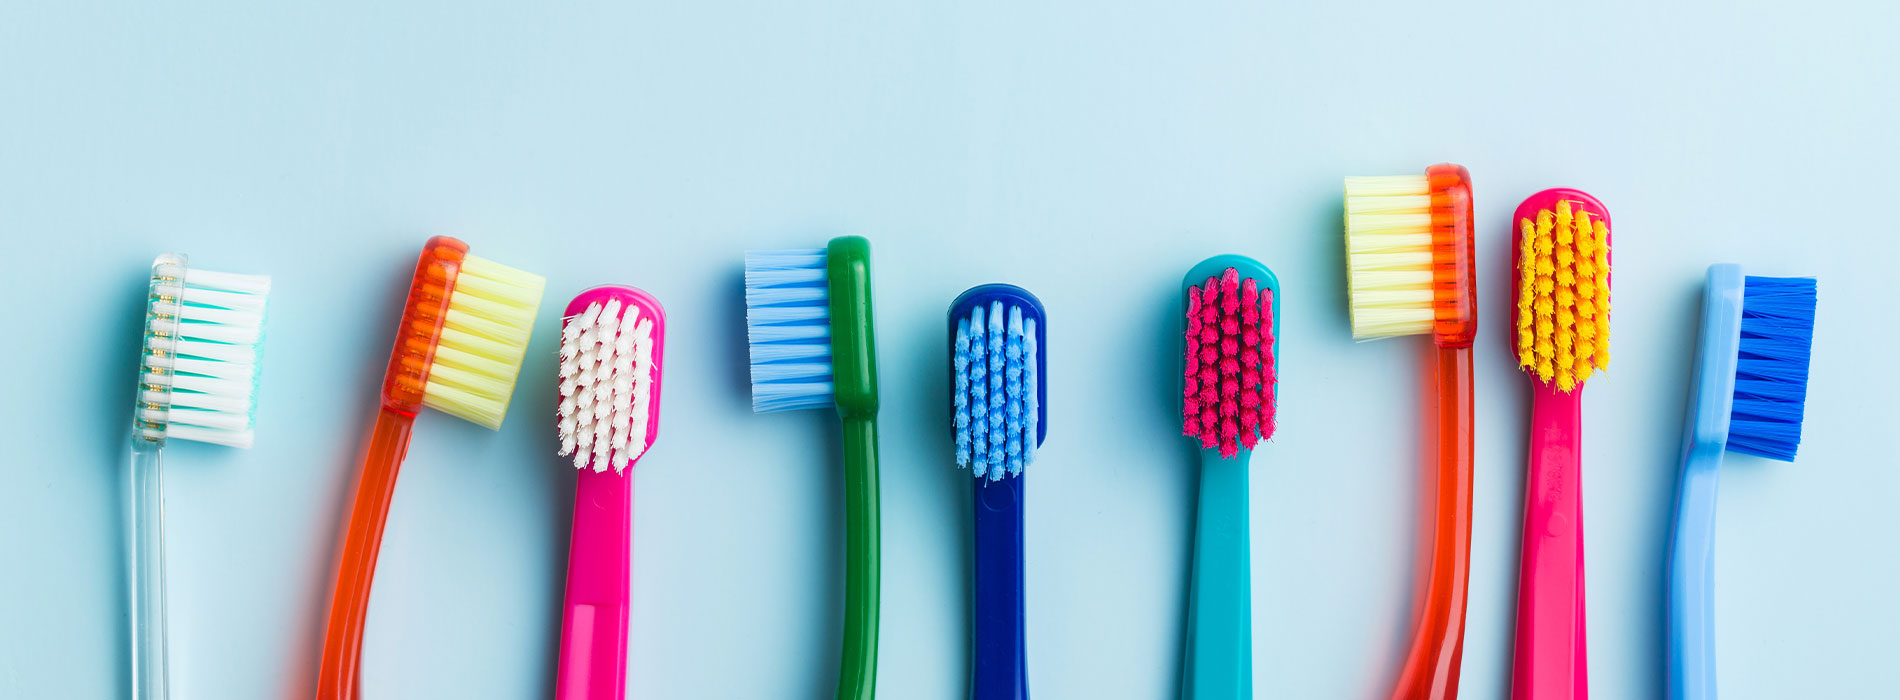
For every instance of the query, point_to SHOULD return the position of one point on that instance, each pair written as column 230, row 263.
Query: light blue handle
column 145, row 564
column 1220, row 612
column 1691, row 600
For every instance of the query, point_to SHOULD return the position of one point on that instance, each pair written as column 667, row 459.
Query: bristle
column 994, row 404
column 1389, row 255
column 788, row 328
column 203, row 333
column 1228, row 388
column 1563, row 295
column 484, row 338
column 606, row 385
column 1771, row 376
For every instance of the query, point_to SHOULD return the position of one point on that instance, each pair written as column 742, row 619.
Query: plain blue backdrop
column 1088, row 151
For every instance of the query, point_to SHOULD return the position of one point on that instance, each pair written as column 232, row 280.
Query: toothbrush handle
column 594, row 626
column 1220, row 611
column 1692, row 579
column 145, row 532
column 1431, row 668
column 1551, row 656
column 857, row 672
column 999, row 666
column 337, row 676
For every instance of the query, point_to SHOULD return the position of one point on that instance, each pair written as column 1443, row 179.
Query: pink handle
column 594, row 627
column 1550, row 656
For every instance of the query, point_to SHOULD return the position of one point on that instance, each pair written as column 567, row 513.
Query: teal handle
column 145, row 565
column 857, row 671
column 1220, row 612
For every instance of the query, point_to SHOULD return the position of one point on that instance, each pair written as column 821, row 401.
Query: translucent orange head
column 1409, row 256
column 1454, row 277
column 423, row 315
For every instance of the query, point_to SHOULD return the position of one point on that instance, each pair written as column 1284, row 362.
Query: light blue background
column 1089, row 151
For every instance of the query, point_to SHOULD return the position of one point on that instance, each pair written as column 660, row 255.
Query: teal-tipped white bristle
column 788, row 328
column 203, row 333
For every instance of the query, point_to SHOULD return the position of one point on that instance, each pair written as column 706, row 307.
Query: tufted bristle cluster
column 606, row 386
column 491, row 310
column 788, row 328
column 1389, row 255
column 1228, row 394
column 994, row 402
column 1771, row 375
column 198, row 376
column 1563, row 295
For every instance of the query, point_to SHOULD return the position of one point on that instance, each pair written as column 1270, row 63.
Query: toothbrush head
column 198, row 373
column 1561, row 273
column 465, row 329
column 1231, row 352
column 612, row 342
column 1408, row 256
column 808, row 324
column 1771, row 371
column 998, row 336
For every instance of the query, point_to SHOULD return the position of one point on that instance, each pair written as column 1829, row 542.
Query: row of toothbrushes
column 466, row 324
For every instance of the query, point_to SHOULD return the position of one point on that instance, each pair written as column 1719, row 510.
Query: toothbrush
column 997, row 336
column 808, row 321
column 197, row 381
column 1748, row 394
column 1231, row 363
column 612, row 341
column 459, row 347
column 1561, row 322
column 1409, row 271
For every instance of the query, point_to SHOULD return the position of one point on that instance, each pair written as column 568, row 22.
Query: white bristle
column 1389, row 255
column 199, row 373
column 607, row 368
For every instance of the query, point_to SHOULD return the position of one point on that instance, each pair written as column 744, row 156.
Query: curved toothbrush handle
column 1220, row 612
column 999, row 666
column 145, row 542
column 1550, row 658
column 594, row 626
column 1431, row 668
column 1692, row 579
column 857, row 671
column 349, row 602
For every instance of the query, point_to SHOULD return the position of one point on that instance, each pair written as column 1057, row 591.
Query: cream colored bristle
column 1563, row 295
column 484, row 338
column 1389, row 255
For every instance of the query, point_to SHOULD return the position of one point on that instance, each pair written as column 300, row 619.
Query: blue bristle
column 960, row 403
column 999, row 433
column 788, row 328
column 994, row 407
column 979, row 396
column 1013, row 387
column 1031, row 410
column 1771, row 376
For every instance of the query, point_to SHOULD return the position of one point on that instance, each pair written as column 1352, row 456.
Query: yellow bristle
column 484, row 338
column 1389, row 255
column 1563, row 295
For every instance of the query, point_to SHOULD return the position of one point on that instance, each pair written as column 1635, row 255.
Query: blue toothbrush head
column 788, row 327
column 1771, row 369
column 999, row 404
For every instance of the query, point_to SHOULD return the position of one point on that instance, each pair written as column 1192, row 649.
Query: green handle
column 1220, row 612
column 857, row 674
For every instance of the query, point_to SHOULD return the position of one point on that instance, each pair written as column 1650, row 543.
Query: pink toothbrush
column 612, row 339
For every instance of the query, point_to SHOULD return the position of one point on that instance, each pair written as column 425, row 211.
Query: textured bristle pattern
column 788, row 329
column 203, row 333
column 484, row 337
column 994, row 405
column 1228, row 389
column 1389, row 255
column 1771, row 376
column 1563, row 295
column 606, row 385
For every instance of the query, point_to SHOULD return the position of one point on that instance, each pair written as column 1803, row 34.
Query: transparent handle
column 145, row 564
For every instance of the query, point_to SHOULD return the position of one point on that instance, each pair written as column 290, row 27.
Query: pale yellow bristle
column 1389, row 255
column 1563, row 295
column 484, row 338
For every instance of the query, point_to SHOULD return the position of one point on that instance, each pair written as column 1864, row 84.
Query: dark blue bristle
column 1771, row 378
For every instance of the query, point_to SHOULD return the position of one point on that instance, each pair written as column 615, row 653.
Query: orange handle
column 1431, row 668
column 349, row 603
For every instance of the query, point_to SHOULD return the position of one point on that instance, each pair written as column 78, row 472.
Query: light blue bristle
column 1031, row 407
column 1013, row 386
column 1771, row 376
column 999, row 432
column 979, row 396
column 960, row 404
column 788, row 328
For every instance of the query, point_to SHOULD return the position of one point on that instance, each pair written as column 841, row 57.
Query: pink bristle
column 1268, row 377
column 1190, row 391
column 1227, row 395
column 1249, row 363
